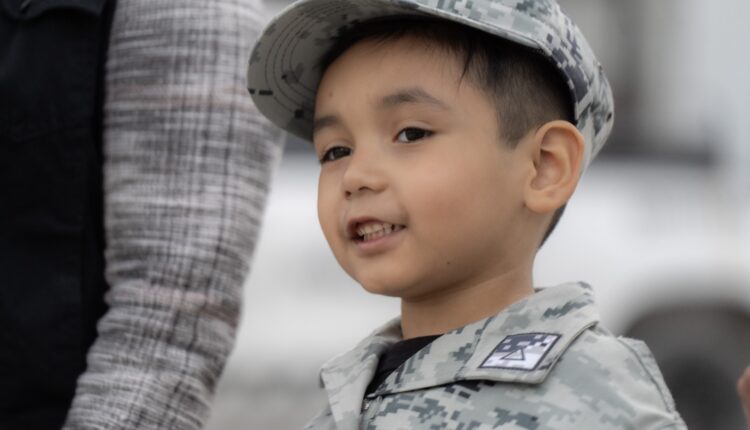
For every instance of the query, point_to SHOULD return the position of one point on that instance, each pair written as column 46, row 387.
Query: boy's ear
column 557, row 151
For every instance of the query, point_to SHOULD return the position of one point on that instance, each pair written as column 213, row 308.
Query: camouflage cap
column 283, row 73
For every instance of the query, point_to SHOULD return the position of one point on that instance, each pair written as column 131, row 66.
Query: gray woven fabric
column 188, row 164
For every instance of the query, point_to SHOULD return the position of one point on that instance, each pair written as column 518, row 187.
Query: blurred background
column 660, row 226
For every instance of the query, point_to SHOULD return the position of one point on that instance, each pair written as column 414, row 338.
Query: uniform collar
column 345, row 378
column 521, row 344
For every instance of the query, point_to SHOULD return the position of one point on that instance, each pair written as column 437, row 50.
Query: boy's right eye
column 334, row 154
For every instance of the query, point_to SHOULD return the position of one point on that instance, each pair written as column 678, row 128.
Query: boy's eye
column 411, row 134
column 334, row 154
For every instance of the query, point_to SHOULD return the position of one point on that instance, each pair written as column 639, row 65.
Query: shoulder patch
column 521, row 351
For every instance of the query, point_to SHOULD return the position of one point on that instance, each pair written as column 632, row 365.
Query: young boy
column 451, row 134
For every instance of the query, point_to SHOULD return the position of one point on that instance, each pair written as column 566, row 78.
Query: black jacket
column 51, row 236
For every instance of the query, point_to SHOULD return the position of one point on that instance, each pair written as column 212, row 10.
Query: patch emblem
column 521, row 351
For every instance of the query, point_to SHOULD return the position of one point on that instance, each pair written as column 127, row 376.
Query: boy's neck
column 454, row 308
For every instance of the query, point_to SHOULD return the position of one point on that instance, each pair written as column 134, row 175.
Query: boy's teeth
column 376, row 229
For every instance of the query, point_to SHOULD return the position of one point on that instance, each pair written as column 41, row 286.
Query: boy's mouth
column 367, row 230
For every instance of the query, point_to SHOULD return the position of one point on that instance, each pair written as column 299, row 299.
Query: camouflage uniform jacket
column 542, row 363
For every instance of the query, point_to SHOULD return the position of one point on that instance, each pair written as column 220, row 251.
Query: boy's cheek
column 438, row 202
column 328, row 221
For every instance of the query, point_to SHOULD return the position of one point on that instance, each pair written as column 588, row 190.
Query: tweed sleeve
column 187, row 168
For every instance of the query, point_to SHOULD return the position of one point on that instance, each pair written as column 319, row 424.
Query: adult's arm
column 187, row 169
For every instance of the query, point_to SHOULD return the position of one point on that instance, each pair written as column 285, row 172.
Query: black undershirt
column 395, row 356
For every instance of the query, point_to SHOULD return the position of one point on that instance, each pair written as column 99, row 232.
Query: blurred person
column 127, row 125
column 451, row 136
column 743, row 388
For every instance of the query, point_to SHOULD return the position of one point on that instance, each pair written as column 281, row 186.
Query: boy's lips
column 357, row 227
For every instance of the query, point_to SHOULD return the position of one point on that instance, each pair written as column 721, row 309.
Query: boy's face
column 406, row 142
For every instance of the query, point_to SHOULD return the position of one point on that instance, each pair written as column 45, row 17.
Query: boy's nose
column 362, row 174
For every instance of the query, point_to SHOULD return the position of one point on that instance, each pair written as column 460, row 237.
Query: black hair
column 527, row 88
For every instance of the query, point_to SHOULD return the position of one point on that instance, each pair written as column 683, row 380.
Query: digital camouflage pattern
column 585, row 379
column 284, row 72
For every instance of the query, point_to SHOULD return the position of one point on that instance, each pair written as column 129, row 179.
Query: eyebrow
column 411, row 95
column 325, row 121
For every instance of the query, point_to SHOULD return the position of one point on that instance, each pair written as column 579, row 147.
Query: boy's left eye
column 412, row 134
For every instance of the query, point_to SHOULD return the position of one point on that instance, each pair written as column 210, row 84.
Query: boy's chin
column 393, row 288
column 382, row 290
column 386, row 286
